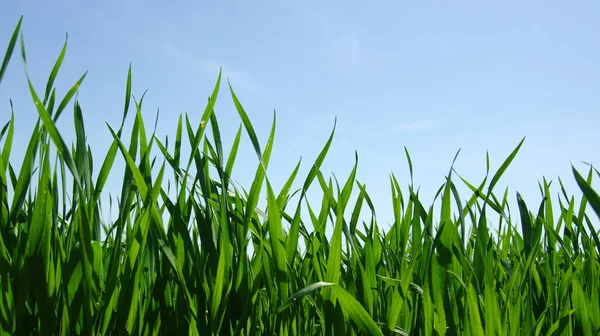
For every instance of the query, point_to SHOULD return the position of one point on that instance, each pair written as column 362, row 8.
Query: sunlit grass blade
column 277, row 244
column 292, row 242
column 50, row 127
column 54, row 72
column 355, row 311
column 205, row 116
column 25, row 175
column 10, row 49
column 6, row 149
column 504, row 166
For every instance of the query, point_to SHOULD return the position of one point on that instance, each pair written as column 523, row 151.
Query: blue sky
column 435, row 77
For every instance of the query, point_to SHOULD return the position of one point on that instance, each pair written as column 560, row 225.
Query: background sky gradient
column 435, row 77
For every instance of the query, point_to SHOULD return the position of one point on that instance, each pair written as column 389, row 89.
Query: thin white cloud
column 238, row 78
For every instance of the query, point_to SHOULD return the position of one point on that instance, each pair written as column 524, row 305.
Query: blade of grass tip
column 334, row 258
column 127, row 100
column 398, row 198
column 67, row 98
column 139, row 178
column 301, row 293
column 80, row 151
column 461, row 214
column 50, row 127
column 527, row 228
column 112, row 152
column 23, row 53
column 294, row 231
column 219, row 149
column 347, row 190
column 142, row 129
column 102, row 177
column 497, row 177
column 233, row 152
column 13, row 176
column 145, row 146
column 247, row 125
column 55, row 69
column 260, row 174
column 590, row 195
column 177, row 146
column 10, row 49
column 205, row 116
column 156, row 121
column 8, row 142
column 285, row 190
column 125, row 199
column 5, row 128
column 446, row 211
column 504, row 166
column 592, row 198
column 357, row 209
column 563, row 189
column 581, row 215
column 410, row 166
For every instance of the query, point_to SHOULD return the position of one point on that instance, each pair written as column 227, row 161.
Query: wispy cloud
column 239, row 78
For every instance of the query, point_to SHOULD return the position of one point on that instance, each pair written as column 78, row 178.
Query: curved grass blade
column 67, row 98
column 25, row 175
column 248, row 126
column 54, row 72
column 233, row 152
column 504, row 166
column 294, row 231
column 304, row 291
column 205, row 116
column 10, row 49
column 50, row 127
column 276, row 239
column 594, row 200
column 355, row 311
column 8, row 142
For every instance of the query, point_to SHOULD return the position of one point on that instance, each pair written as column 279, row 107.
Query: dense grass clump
column 177, row 261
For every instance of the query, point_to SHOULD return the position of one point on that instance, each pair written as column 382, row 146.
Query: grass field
column 176, row 259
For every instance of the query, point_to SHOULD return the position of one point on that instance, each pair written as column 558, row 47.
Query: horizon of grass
column 177, row 260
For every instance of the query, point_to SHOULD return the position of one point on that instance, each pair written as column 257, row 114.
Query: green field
column 198, row 257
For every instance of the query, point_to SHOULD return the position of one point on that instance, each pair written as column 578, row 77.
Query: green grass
column 177, row 261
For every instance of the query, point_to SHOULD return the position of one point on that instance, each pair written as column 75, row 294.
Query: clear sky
column 435, row 77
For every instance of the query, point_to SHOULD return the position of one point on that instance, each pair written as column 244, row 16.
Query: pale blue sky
column 432, row 76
